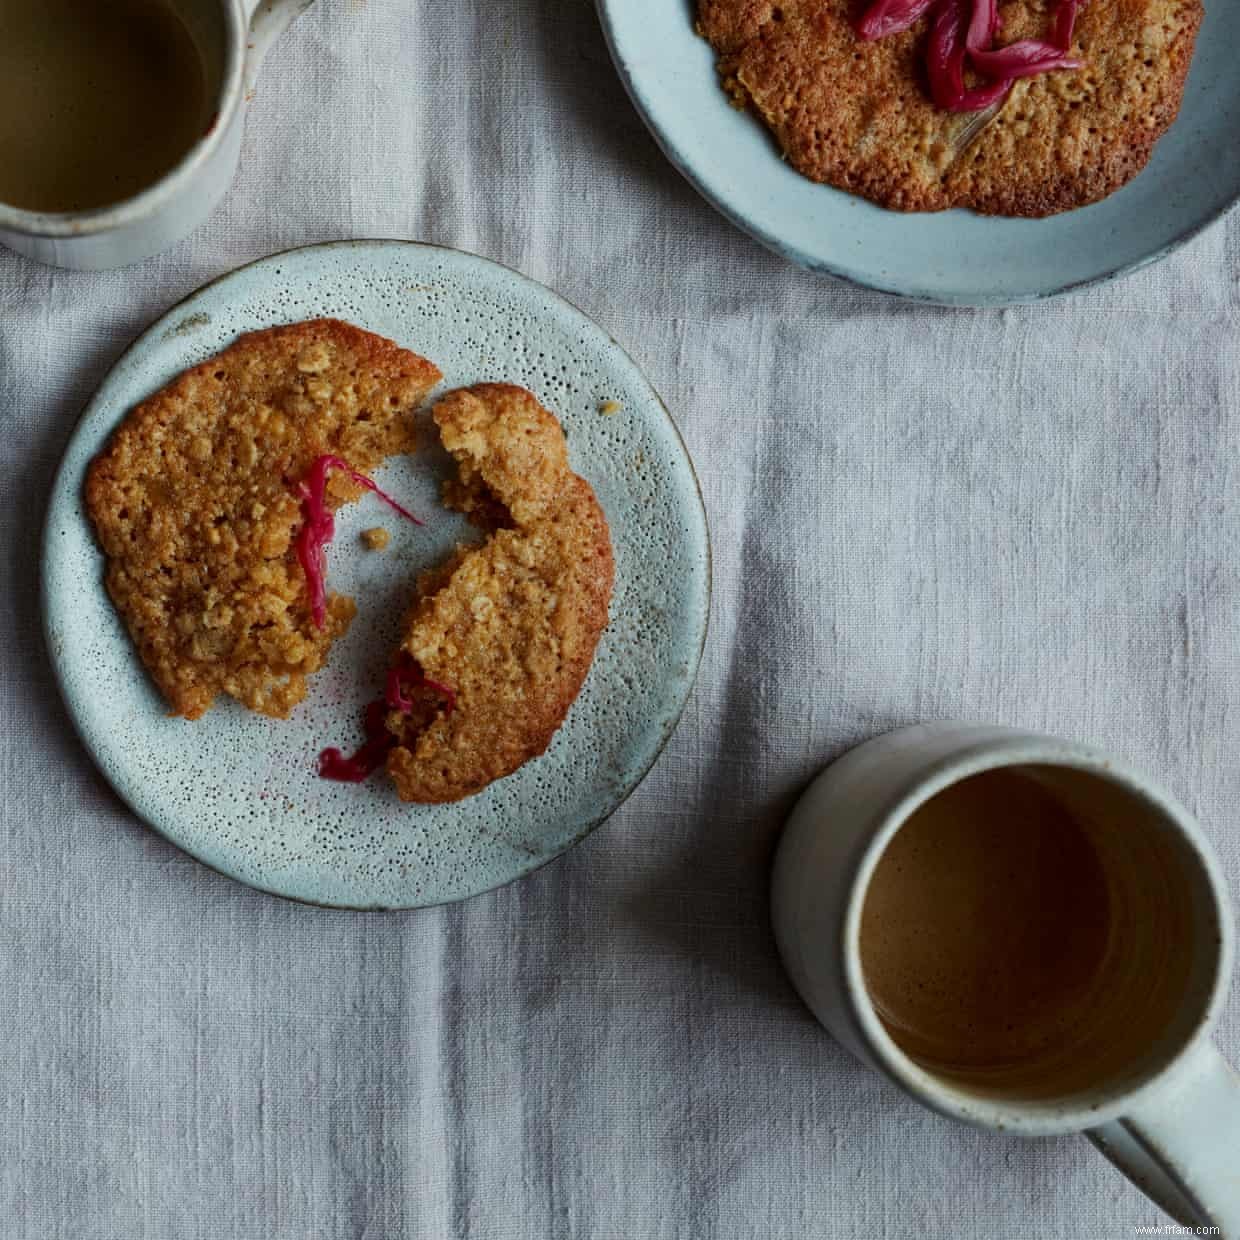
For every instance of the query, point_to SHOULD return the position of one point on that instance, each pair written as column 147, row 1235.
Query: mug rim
column 144, row 203
column 1029, row 1118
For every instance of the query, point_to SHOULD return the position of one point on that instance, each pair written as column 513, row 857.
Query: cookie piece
column 856, row 115
column 193, row 503
column 511, row 625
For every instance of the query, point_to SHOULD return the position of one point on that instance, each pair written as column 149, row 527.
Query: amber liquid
column 986, row 926
column 98, row 99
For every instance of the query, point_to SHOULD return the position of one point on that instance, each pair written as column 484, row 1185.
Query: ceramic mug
column 1160, row 1102
column 232, row 37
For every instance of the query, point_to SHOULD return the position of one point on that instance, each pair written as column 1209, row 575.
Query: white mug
column 1166, row 1108
column 232, row 37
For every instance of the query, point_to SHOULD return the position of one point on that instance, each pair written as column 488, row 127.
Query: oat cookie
column 509, row 626
column 194, row 505
column 856, row 114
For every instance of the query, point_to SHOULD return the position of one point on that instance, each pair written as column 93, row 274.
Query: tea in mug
column 98, row 100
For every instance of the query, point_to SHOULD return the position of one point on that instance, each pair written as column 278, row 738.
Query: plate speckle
column 238, row 790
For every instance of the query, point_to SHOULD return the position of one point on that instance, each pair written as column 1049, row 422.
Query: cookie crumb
column 608, row 408
column 376, row 538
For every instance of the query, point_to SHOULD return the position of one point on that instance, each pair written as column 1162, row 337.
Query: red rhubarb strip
column 1027, row 58
column 885, row 17
column 318, row 526
column 403, row 676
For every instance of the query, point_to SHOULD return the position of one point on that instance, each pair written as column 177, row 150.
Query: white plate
column 238, row 790
column 951, row 257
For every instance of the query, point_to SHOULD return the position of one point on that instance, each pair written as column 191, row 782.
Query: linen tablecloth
column 1029, row 516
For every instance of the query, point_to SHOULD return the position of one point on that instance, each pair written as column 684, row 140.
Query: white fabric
column 1027, row 516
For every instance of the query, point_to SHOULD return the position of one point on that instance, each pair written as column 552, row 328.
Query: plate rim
column 60, row 482
column 605, row 10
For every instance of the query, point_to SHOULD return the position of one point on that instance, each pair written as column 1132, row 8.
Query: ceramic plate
column 953, row 257
column 238, row 790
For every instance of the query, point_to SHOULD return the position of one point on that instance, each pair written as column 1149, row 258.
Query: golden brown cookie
column 193, row 502
column 508, row 627
column 856, row 114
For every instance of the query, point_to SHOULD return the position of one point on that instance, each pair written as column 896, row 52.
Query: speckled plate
column 953, row 257
column 239, row 791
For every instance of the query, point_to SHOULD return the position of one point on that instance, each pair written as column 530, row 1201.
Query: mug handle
column 269, row 19
column 1181, row 1144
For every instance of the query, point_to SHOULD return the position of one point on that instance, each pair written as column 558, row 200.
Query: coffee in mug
column 1023, row 934
column 1011, row 937
column 984, row 932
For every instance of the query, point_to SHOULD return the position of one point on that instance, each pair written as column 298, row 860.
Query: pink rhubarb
column 318, row 526
column 962, row 36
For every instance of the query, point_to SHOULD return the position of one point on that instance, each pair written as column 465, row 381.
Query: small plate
column 952, row 257
column 238, row 790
